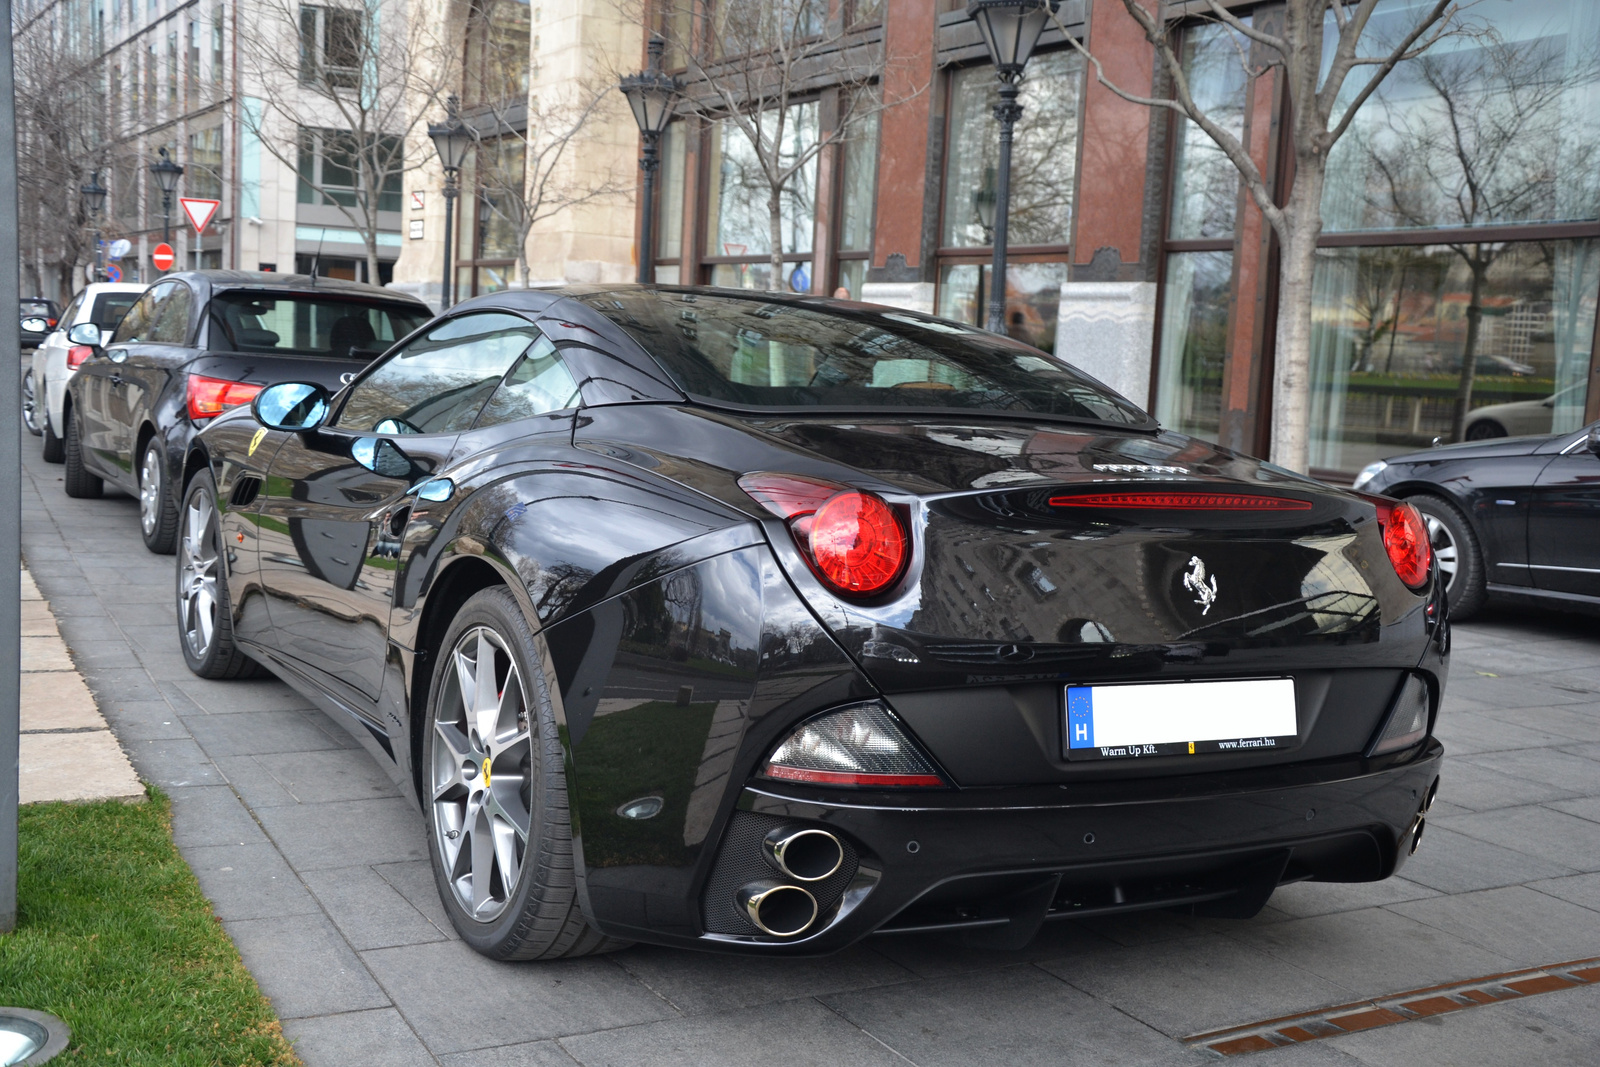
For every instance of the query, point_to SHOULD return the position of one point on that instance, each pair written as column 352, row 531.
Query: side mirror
column 85, row 333
column 292, row 406
column 383, row 457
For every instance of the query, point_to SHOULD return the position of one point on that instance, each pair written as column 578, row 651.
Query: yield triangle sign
column 199, row 211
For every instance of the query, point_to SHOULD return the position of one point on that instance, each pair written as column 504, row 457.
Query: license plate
column 1179, row 718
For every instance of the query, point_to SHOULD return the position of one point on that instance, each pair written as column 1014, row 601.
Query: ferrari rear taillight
column 852, row 539
column 210, row 397
column 1405, row 538
column 77, row 355
column 861, row 746
column 1147, row 501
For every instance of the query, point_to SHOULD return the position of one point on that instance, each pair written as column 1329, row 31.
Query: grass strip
column 114, row 936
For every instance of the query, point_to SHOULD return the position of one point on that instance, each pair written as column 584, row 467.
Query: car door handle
column 116, row 379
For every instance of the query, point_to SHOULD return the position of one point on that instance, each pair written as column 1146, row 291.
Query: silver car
column 44, row 386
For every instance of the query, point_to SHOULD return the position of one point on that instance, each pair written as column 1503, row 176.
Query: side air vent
column 245, row 490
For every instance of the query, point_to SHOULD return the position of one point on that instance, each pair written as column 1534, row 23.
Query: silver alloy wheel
column 30, row 406
column 197, row 575
column 482, row 774
column 1445, row 549
column 150, row 489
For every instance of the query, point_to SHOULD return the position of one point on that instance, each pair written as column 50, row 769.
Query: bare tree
column 350, row 84
column 1322, row 106
column 1489, row 143
column 59, row 132
column 749, row 64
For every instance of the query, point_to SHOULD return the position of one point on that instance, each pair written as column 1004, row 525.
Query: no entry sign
column 162, row 256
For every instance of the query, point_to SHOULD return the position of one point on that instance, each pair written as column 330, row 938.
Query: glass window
column 1033, row 298
column 1410, row 343
column 310, row 325
column 1205, row 183
column 135, row 326
column 1042, row 161
column 669, row 229
column 796, row 276
column 738, row 221
column 1497, row 126
column 497, row 51
column 537, row 385
column 110, row 308
column 172, row 317
column 754, row 352
column 860, row 184
column 203, row 175
column 439, row 382
column 500, row 197
column 1194, row 342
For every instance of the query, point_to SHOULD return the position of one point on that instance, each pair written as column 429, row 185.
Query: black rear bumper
column 996, row 864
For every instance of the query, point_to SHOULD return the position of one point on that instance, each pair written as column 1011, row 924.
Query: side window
column 139, row 320
column 172, row 327
column 67, row 316
column 539, row 384
column 440, row 381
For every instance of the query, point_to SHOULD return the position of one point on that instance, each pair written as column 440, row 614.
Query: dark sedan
column 193, row 346
column 39, row 318
column 1514, row 516
column 758, row 623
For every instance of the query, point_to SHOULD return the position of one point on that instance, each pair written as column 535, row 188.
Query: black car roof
column 223, row 280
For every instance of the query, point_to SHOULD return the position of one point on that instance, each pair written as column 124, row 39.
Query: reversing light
column 860, row 746
column 210, row 397
column 1405, row 539
column 852, row 539
column 1181, row 502
column 1408, row 719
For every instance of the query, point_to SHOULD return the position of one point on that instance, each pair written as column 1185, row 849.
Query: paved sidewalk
column 316, row 867
column 66, row 751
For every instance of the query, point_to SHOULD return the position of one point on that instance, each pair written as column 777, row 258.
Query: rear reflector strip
column 799, row 774
column 1181, row 502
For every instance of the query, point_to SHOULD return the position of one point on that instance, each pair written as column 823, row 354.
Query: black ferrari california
column 738, row 621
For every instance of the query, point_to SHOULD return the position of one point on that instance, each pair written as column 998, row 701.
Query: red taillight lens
column 853, row 540
column 52, row 323
column 210, row 397
column 1181, row 502
column 77, row 354
column 1405, row 538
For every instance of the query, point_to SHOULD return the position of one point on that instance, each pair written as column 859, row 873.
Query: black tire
column 539, row 918
column 1485, row 430
column 77, row 481
column 210, row 654
column 30, row 404
column 158, row 512
column 55, row 449
column 1452, row 535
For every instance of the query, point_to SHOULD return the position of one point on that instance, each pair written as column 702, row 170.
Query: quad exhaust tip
column 806, row 855
column 778, row 909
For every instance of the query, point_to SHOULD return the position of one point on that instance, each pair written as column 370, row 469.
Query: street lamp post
column 452, row 140
column 167, row 174
column 1011, row 29
column 94, row 199
column 652, row 95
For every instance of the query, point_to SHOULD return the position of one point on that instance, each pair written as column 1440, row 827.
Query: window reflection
column 1194, row 342
column 738, row 222
column 1205, row 186
column 1033, row 299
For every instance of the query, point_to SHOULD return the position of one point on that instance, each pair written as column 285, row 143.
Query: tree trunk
column 1291, row 361
column 775, row 226
column 1469, row 349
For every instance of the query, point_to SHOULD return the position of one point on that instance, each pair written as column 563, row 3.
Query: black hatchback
column 196, row 344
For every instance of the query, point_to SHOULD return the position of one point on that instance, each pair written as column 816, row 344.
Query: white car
column 56, row 360
column 1521, row 418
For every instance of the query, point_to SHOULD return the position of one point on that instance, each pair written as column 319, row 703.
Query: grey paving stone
column 1198, row 983
column 1582, row 807
column 121, row 683
column 224, row 698
column 1553, row 836
column 256, row 733
column 1455, row 863
column 369, row 911
column 1525, row 926
column 942, row 955
column 211, row 815
column 799, row 1033
column 304, row 966
column 695, row 982
column 1580, row 722
column 1148, row 927
column 529, row 1054
column 1495, row 1034
column 1304, row 899
column 1583, row 889
column 530, row 1002
column 379, row 1038
column 337, row 774
column 1577, row 1010
column 249, row 881
column 257, row 785
column 1478, row 783
column 1374, row 951
column 1472, row 732
column 414, row 880
column 1017, row 1016
column 72, row 604
column 172, row 763
column 1557, row 769
column 346, row 832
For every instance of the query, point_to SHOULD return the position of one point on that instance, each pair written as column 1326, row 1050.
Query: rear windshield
column 755, row 353
column 38, row 307
column 109, row 308
column 310, row 325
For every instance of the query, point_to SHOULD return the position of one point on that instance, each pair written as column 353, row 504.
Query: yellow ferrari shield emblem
column 256, row 441
column 486, row 779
